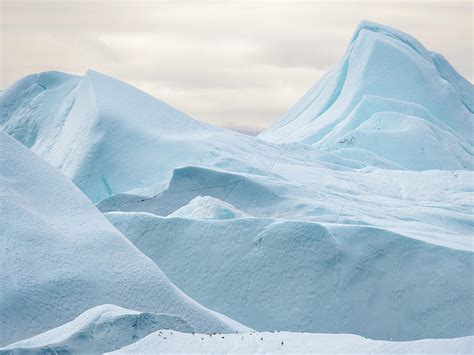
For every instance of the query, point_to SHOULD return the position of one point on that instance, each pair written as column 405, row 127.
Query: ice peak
column 385, row 73
column 398, row 35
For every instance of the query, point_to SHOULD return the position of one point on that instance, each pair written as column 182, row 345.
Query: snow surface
column 98, row 330
column 391, row 97
column 309, row 276
column 167, row 342
column 60, row 256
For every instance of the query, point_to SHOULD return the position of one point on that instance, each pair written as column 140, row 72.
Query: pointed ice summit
column 388, row 99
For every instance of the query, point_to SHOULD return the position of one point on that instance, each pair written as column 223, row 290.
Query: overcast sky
column 239, row 64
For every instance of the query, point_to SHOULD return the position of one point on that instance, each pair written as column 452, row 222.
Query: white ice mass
column 352, row 214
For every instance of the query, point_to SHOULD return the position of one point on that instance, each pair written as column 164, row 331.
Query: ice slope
column 59, row 256
column 388, row 96
column 167, row 342
column 312, row 277
column 100, row 329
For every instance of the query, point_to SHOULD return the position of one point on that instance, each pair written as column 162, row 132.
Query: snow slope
column 60, row 256
column 98, row 330
column 167, row 342
column 388, row 96
column 307, row 276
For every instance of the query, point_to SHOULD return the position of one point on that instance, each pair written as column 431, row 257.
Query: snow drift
column 60, row 256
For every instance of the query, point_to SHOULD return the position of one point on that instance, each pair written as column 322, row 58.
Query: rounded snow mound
column 103, row 328
column 207, row 207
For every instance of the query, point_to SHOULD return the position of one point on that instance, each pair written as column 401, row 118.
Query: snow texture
column 306, row 276
column 60, row 256
column 167, row 342
column 100, row 329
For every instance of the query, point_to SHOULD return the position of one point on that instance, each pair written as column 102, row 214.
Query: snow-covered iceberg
column 60, row 256
column 391, row 97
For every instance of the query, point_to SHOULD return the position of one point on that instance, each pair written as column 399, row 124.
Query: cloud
column 239, row 64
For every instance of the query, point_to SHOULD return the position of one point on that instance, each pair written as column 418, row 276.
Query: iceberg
column 388, row 96
column 352, row 214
